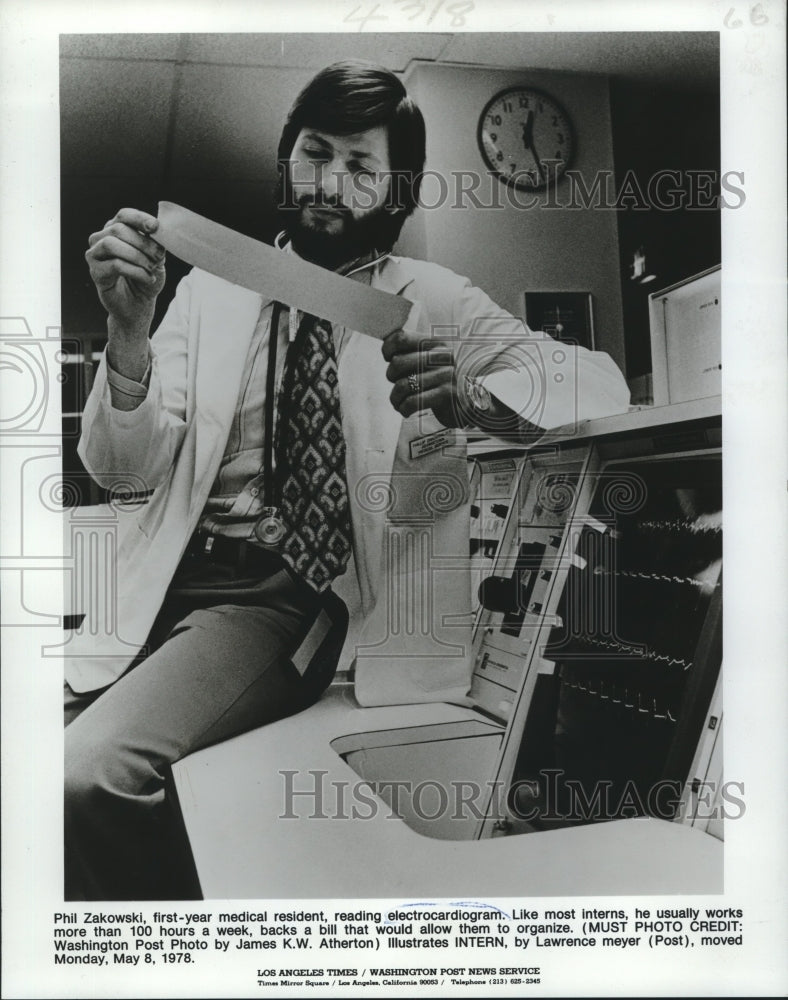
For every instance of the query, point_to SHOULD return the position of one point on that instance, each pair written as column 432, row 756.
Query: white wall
column 508, row 250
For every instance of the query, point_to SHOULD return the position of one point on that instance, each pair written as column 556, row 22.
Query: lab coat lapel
column 227, row 320
column 392, row 276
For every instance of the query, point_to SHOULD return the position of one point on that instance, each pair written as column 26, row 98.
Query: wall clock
column 526, row 138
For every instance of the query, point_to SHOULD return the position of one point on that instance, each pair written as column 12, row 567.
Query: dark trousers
column 218, row 664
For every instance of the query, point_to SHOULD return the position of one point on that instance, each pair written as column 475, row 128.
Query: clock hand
column 528, row 130
column 539, row 166
column 528, row 141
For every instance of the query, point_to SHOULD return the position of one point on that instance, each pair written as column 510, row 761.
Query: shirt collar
column 366, row 261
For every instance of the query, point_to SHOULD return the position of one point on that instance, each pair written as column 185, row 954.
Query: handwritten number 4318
column 456, row 11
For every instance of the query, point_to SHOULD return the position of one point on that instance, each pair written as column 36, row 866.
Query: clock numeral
column 540, row 107
column 493, row 136
column 524, row 102
column 508, row 106
column 559, row 138
column 499, row 156
column 496, row 119
column 558, row 154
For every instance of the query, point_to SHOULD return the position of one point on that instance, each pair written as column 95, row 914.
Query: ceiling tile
column 676, row 58
column 313, row 51
column 117, row 46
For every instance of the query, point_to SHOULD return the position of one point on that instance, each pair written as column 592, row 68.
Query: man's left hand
column 424, row 376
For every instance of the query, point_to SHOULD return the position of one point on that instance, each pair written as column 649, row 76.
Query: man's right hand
column 127, row 268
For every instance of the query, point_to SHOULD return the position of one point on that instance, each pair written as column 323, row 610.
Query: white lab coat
column 408, row 586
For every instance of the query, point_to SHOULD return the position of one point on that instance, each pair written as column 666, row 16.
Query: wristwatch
column 478, row 397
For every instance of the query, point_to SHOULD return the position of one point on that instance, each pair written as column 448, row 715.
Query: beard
column 336, row 239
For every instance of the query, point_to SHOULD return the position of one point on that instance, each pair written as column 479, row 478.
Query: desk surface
column 232, row 795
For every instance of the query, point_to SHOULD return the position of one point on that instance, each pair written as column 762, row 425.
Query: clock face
column 526, row 137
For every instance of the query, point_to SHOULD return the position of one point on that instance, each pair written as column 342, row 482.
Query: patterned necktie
column 311, row 459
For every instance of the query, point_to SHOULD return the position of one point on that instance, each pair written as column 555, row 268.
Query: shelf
column 641, row 418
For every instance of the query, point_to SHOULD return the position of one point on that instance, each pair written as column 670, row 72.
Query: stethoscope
column 270, row 528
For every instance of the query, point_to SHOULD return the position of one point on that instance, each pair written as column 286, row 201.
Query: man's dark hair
column 353, row 96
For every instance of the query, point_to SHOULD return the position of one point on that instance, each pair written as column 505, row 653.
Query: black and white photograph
column 401, row 377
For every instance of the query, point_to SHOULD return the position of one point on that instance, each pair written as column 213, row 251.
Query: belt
column 240, row 553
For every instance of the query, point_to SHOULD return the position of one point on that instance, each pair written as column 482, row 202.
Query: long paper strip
column 281, row 276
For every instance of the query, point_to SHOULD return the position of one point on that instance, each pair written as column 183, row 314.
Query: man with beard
column 233, row 413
